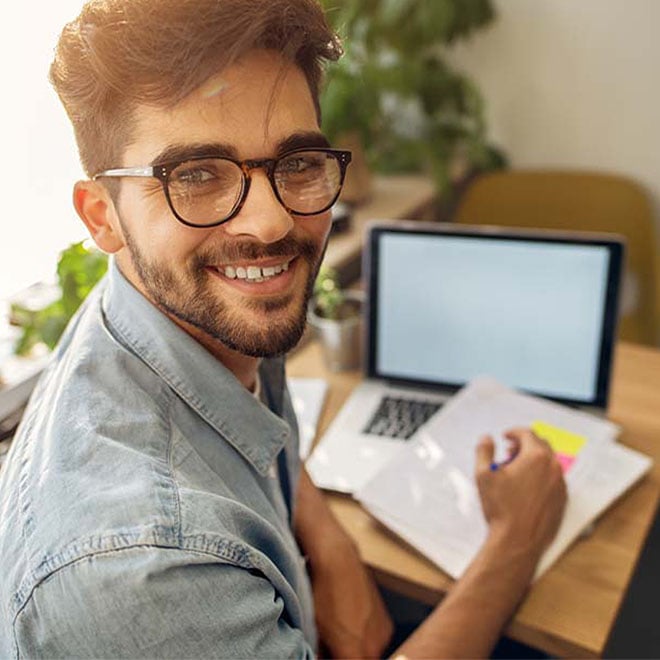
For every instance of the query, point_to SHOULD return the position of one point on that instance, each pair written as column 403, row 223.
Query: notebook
column 427, row 492
column 447, row 303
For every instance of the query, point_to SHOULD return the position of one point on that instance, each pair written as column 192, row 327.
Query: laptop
column 535, row 309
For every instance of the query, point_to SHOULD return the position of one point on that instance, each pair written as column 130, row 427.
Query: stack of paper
column 307, row 396
column 428, row 495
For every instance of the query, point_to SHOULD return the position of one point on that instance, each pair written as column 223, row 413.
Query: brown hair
column 119, row 53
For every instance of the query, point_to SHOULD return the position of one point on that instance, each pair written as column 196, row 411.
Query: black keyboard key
column 399, row 417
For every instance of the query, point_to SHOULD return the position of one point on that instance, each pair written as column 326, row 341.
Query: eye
column 190, row 175
column 301, row 163
column 210, row 176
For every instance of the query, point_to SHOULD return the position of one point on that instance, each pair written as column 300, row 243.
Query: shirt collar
column 194, row 374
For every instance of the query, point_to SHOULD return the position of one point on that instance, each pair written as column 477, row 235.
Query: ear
column 97, row 210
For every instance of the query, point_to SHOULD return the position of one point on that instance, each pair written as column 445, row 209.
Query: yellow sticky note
column 561, row 440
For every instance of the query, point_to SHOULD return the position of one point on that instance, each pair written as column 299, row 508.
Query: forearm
column 317, row 530
column 469, row 621
column 350, row 614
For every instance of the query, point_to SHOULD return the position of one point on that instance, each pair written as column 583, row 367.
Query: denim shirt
column 145, row 507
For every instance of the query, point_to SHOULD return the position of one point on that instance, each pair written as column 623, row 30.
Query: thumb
column 485, row 453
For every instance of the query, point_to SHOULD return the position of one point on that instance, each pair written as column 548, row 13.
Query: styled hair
column 121, row 53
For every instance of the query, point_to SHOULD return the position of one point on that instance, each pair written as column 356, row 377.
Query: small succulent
column 328, row 295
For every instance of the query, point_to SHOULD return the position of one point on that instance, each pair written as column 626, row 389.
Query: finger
column 527, row 437
column 485, row 452
column 513, row 447
column 520, row 434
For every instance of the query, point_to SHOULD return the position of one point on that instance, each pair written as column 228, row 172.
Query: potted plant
column 396, row 93
column 336, row 316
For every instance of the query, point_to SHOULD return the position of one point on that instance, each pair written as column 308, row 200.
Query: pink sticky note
column 565, row 461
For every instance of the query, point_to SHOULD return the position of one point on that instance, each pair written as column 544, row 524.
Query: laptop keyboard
column 400, row 418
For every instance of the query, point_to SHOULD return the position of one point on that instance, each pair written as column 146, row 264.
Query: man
column 153, row 504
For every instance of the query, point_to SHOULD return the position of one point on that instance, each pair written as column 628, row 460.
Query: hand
column 524, row 500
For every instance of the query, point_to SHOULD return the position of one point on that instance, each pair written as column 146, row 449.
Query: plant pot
column 341, row 339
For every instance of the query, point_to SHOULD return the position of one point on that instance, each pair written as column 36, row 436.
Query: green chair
column 587, row 201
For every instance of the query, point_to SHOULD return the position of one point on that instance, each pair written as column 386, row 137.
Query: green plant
column 328, row 296
column 79, row 268
column 395, row 89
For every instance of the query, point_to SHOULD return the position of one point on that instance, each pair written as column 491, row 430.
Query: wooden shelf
column 401, row 197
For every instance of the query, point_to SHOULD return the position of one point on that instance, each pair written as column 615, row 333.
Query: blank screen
column 528, row 313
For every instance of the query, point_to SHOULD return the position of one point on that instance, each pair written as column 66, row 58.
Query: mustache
column 253, row 250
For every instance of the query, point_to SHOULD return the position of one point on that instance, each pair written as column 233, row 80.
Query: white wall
column 573, row 83
column 39, row 162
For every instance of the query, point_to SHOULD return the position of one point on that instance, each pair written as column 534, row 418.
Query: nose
column 262, row 215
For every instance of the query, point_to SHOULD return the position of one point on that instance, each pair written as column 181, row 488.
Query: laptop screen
column 536, row 311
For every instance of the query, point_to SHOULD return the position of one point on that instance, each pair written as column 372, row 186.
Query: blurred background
column 572, row 84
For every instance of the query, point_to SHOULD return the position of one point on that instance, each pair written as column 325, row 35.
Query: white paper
column 308, row 396
column 428, row 495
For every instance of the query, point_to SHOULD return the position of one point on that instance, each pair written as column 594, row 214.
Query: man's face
column 254, row 109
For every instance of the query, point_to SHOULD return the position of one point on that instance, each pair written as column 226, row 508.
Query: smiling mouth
column 253, row 272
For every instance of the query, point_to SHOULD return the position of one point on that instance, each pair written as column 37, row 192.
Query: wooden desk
column 570, row 610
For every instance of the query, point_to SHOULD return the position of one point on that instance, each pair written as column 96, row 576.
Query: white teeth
column 254, row 273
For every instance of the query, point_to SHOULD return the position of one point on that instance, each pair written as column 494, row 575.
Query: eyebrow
column 181, row 152
column 307, row 139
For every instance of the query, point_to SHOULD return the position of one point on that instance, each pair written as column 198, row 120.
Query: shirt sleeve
column 157, row 602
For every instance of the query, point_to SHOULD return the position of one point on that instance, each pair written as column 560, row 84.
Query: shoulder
column 158, row 602
column 95, row 403
column 90, row 459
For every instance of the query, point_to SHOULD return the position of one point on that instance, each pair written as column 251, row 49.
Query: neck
column 244, row 367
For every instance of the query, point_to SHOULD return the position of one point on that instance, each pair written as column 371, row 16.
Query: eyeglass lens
column 206, row 191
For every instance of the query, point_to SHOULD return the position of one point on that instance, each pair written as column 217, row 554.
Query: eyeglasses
column 205, row 191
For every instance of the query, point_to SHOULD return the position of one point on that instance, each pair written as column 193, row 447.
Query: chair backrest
column 584, row 201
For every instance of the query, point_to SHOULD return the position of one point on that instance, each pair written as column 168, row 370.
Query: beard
column 190, row 296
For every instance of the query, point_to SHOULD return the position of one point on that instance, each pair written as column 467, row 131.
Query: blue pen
column 496, row 466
